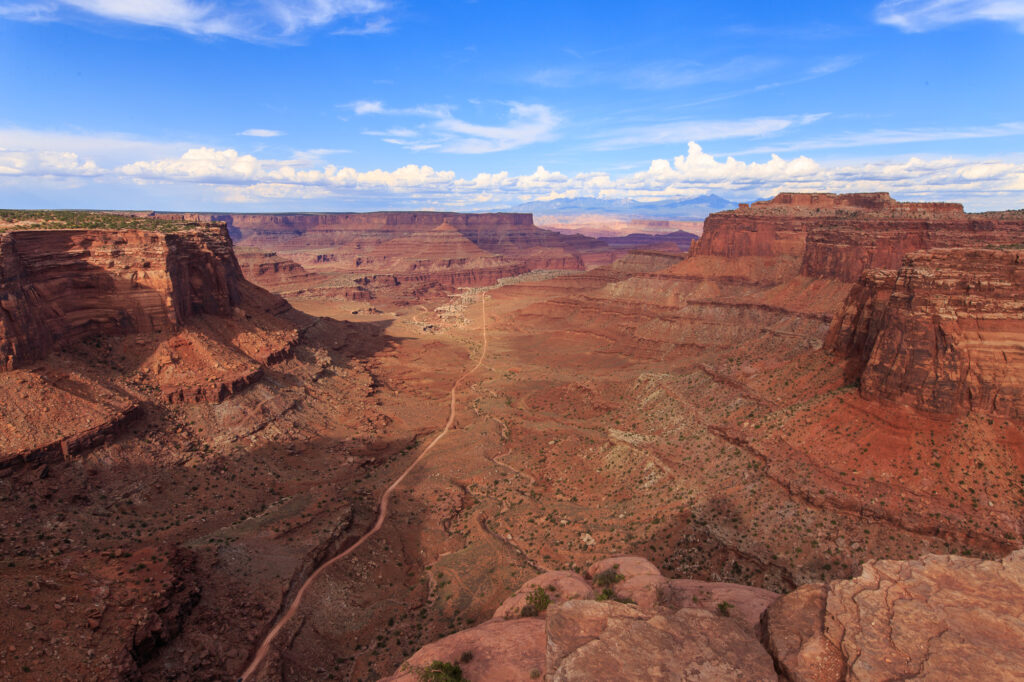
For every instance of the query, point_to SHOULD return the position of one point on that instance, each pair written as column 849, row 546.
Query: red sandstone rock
column 447, row 250
column 501, row 650
column 939, row 617
column 610, row 641
column 559, row 585
column 945, row 333
column 582, row 638
column 58, row 286
column 793, row 632
column 839, row 236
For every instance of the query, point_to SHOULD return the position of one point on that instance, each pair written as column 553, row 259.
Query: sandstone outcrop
column 944, row 333
column 939, row 617
column 56, row 414
column 58, row 286
column 840, row 235
column 170, row 310
column 621, row 620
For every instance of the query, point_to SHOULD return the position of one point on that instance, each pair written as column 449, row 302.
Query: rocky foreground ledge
column 938, row 617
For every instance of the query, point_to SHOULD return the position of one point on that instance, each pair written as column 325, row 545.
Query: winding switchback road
column 382, row 513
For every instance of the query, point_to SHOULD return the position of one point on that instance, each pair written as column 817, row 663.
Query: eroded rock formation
column 939, row 617
column 944, row 333
column 840, row 235
column 424, row 251
column 185, row 321
column 621, row 620
column 58, row 286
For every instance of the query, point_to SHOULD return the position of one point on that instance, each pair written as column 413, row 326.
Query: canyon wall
column 427, row 253
column 58, row 286
column 944, row 333
column 839, row 236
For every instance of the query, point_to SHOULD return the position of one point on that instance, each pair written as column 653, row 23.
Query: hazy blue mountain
column 696, row 208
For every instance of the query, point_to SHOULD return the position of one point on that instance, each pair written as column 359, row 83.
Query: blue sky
column 375, row 104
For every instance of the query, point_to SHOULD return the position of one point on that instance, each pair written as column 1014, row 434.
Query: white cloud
column 918, row 16
column 679, row 132
column 661, row 75
column 371, row 27
column 247, row 178
column 29, row 11
column 363, row 107
column 261, row 132
column 886, row 136
column 527, row 124
column 255, row 20
column 46, row 164
column 103, row 148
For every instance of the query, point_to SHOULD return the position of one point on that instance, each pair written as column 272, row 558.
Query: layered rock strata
column 944, row 333
column 59, row 286
column 420, row 248
column 841, row 235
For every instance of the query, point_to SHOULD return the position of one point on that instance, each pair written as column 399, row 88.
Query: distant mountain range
column 696, row 208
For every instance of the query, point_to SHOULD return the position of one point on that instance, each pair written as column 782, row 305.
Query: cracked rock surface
column 938, row 617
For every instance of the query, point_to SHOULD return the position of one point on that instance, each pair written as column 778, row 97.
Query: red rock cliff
column 840, row 235
column 61, row 285
column 944, row 333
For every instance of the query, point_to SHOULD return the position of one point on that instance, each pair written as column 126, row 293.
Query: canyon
column 815, row 406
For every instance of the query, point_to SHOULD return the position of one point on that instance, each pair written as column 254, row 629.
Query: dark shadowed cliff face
column 944, row 333
column 61, row 285
column 839, row 236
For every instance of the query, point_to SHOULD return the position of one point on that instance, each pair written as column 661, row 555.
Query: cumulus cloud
column 261, row 132
column 247, row 178
column 918, row 16
column 255, row 20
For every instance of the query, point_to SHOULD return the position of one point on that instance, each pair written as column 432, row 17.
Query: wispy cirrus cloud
column 371, row 27
column 680, row 132
column 884, row 136
column 443, row 131
column 659, row 75
column 252, row 20
column 918, row 16
column 261, row 132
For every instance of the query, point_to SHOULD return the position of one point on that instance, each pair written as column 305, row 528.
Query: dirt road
column 382, row 513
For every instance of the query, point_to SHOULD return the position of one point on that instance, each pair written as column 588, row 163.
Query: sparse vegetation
column 441, row 671
column 87, row 220
column 536, row 602
column 608, row 577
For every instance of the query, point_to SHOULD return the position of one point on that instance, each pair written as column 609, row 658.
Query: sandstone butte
column 213, row 330
column 822, row 401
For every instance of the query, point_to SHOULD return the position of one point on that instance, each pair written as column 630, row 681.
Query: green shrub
column 441, row 671
column 536, row 602
column 609, row 577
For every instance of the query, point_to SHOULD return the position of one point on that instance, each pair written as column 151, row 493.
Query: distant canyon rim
column 818, row 396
